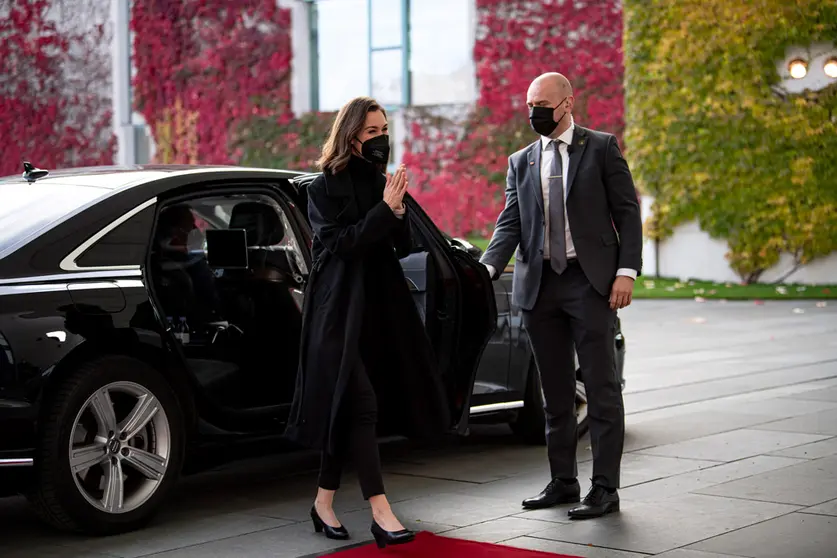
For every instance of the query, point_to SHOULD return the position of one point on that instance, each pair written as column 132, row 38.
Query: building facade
column 404, row 53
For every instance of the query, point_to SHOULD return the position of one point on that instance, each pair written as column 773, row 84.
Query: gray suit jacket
column 602, row 209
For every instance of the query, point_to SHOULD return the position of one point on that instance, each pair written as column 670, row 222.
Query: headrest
column 260, row 220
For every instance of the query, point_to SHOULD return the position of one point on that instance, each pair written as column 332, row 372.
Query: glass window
column 387, row 76
column 343, row 45
column 28, row 209
column 386, row 23
column 441, row 52
column 124, row 245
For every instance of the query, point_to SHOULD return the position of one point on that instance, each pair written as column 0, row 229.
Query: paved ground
column 731, row 451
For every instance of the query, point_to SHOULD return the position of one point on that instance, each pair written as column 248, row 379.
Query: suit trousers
column 358, row 438
column 569, row 313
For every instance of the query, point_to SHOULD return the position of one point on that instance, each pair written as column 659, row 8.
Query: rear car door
column 465, row 307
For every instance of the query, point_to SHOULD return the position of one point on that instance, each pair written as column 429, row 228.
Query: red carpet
column 428, row 545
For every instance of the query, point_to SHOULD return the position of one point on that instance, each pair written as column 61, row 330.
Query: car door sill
column 17, row 462
column 495, row 407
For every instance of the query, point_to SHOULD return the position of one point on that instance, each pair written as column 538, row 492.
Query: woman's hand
column 395, row 189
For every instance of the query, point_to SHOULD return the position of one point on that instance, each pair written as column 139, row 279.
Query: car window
column 125, row 245
column 189, row 285
column 28, row 209
column 183, row 226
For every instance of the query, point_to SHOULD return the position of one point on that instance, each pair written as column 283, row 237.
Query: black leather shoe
column 597, row 503
column 556, row 492
column 336, row 533
column 384, row 538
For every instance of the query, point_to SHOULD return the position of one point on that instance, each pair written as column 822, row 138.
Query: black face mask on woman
column 376, row 150
column 542, row 121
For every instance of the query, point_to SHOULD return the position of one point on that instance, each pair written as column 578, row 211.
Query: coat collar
column 534, row 158
column 579, row 136
column 578, row 146
column 339, row 184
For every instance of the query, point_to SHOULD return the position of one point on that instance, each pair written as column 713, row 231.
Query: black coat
column 358, row 306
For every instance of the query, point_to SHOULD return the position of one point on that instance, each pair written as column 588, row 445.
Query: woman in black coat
column 366, row 363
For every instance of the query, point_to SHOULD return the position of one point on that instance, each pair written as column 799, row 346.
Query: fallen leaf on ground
column 822, row 304
column 758, row 302
column 798, row 311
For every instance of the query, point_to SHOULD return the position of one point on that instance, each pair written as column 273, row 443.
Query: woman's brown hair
column 348, row 124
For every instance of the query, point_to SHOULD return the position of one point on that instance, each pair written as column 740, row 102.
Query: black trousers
column 358, row 438
column 570, row 312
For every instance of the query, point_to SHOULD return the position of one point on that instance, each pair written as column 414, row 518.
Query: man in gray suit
column 572, row 209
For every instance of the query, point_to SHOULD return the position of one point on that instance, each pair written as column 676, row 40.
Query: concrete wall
column 301, row 60
column 691, row 253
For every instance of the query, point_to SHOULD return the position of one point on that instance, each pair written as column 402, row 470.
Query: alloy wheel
column 120, row 446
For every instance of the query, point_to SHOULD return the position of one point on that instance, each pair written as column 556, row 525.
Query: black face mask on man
column 376, row 150
column 542, row 121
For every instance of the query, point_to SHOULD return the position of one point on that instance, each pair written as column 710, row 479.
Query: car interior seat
column 273, row 331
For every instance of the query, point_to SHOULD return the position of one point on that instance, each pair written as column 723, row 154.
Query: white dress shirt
column 547, row 154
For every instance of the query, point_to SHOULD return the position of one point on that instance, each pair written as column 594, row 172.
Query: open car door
column 455, row 298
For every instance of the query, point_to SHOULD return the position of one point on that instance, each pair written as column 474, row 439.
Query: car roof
column 27, row 214
column 117, row 177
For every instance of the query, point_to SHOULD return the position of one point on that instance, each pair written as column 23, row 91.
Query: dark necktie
column 557, row 240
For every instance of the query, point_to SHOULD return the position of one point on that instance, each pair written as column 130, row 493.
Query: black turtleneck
column 368, row 183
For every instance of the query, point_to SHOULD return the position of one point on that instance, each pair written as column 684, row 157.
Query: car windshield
column 26, row 209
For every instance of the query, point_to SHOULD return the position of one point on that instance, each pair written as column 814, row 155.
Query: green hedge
column 710, row 139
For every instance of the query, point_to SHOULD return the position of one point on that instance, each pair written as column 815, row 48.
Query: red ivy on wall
column 204, row 67
column 461, row 163
column 54, row 86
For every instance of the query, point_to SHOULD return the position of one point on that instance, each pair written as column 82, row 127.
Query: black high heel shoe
column 336, row 533
column 383, row 538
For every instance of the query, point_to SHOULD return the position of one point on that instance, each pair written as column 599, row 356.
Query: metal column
column 121, row 77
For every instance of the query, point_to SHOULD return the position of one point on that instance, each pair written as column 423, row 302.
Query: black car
column 150, row 318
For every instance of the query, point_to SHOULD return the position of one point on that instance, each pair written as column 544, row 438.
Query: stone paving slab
column 731, row 446
column 654, row 528
column 827, row 508
column 823, row 422
column 797, row 535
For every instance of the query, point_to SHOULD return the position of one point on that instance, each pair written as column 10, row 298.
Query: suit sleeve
column 623, row 202
column 347, row 241
column 506, row 235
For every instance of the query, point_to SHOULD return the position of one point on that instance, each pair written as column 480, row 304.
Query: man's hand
column 621, row 293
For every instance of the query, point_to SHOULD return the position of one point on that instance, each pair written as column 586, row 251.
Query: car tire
column 530, row 424
column 134, row 475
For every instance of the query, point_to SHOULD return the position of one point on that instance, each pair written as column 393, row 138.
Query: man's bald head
column 552, row 82
column 553, row 90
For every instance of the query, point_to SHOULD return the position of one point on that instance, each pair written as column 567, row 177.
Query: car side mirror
column 227, row 249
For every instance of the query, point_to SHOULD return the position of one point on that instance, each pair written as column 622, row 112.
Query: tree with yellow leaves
column 712, row 140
